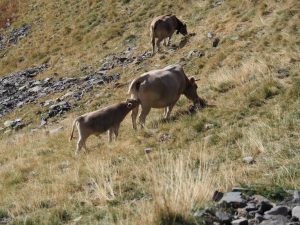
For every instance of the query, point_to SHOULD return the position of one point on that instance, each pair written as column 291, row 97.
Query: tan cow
column 162, row 89
column 106, row 119
column 163, row 27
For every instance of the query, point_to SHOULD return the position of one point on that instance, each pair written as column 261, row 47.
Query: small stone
column 234, row 38
column 241, row 221
column 264, row 206
column 278, row 210
column 9, row 123
column 283, row 73
column 35, row 89
column 296, row 212
column 148, row 150
column 210, row 34
column 249, row 160
column 208, row 126
column 250, row 207
column 216, row 42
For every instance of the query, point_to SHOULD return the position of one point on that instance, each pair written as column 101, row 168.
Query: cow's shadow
column 183, row 41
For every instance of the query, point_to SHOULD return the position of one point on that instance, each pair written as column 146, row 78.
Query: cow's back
column 160, row 88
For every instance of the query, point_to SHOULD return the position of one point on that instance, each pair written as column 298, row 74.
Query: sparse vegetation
column 253, row 112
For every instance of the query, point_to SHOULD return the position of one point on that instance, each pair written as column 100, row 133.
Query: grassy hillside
column 256, row 113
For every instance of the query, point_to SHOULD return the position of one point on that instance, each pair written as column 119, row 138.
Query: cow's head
column 191, row 91
column 182, row 29
column 132, row 103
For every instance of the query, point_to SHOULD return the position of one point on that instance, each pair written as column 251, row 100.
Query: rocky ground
column 237, row 208
column 20, row 88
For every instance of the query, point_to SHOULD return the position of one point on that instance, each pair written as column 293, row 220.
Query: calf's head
column 132, row 103
column 191, row 91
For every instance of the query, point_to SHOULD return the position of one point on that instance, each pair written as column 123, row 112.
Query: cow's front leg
column 134, row 114
column 143, row 115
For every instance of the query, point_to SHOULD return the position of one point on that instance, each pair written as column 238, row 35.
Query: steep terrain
column 62, row 58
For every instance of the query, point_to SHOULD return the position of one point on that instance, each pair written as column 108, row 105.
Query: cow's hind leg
column 134, row 114
column 153, row 45
column 80, row 144
column 143, row 115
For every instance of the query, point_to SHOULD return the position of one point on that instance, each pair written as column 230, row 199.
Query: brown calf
column 97, row 122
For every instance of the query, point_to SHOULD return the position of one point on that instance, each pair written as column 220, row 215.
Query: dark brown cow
column 162, row 89
column 163, row 27
column 106, row 119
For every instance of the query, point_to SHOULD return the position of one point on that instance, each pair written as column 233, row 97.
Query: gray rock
column 275, row 220
column 241, row 221
column 36, row 89
column 278, row 210
column 296, row 212
column 296, row 196
column 217, row 196
column 223, row 217
column 249, row 160
column 258, row 218
column 233, row 199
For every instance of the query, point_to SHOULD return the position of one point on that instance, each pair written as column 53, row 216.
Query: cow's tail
column 73, row 126
column 152, row 34
column 133, row 88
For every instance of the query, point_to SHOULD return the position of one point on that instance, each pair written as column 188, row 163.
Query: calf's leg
column 116, row 130
column 110, row 133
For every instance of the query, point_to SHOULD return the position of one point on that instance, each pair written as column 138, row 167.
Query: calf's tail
column 74, row 123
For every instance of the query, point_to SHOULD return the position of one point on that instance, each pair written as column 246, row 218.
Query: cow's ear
column 192, row 80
